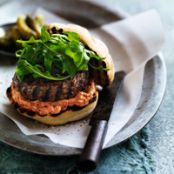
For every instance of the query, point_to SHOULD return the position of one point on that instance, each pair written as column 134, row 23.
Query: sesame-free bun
column 101, row 78
column 67, row 116
column 64, row 117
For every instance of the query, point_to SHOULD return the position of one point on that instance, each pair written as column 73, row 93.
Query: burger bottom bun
column 65, row 117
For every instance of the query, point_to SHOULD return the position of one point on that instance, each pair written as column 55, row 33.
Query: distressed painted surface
column 150, row 151
column 133, row 156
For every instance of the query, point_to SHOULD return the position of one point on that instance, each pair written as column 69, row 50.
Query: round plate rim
column 121, row 13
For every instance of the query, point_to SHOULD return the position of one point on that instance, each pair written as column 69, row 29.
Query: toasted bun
column 102, row 78
column 64, row 117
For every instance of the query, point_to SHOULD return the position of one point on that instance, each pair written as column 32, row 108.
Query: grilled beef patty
column 47, row 90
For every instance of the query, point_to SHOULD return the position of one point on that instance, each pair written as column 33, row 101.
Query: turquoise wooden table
column 150, row 151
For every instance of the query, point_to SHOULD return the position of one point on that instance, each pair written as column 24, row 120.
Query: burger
column 56, row 75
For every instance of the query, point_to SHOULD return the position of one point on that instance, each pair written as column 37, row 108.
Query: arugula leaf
column 48, row 60
column 54, row 56
column 73, row 36
column 37, row 71
column 69, row 66
column 45, row 36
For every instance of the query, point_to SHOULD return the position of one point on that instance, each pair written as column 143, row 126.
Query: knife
column 90, row 155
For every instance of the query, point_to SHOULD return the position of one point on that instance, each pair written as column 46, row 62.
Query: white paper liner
column 132, row 42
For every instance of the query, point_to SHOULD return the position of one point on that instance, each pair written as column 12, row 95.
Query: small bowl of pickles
column 24, row 28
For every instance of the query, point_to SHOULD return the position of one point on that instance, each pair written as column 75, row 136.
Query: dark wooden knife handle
column 91, row 152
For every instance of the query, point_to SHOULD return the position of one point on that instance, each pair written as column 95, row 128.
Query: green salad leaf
column 54, row 56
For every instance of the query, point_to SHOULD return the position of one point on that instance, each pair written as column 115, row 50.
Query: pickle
column 24, row 29
column 15, row 34
column 34, row 25
column 40, row 20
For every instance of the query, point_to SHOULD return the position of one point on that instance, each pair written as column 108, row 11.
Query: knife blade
column 90, row 155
